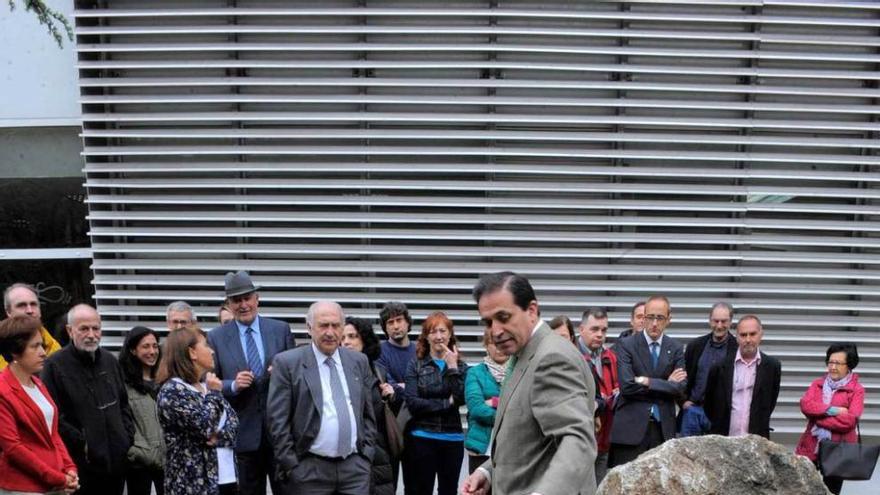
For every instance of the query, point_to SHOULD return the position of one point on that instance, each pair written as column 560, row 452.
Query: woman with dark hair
column 833, row 405
column 33, row 458
column 139, row 359
column 434, row 392
column 358, row 335
column 200, row 427
column 563, row 327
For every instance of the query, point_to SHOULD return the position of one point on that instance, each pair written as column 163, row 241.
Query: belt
column 328, row 459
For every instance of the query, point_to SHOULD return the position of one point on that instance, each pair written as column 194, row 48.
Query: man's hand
column 678, row 375
column 476, row 484
column 842, row 410
column 243, row 380
column 386, row 390
column 598, row 422
column 687, row 404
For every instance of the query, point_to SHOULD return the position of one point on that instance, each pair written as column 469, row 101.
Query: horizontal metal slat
column 415, row 13
column 454, row 135
column 370, row 47
column 525, row 203
column 755, row 72
column 540, row 84
column 424, row 219
column 483, row 186
column 409, row 151
column 458, row 268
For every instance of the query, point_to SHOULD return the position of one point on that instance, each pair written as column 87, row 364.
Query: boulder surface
column 716, row 465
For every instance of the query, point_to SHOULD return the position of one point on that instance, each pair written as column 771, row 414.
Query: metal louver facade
column 372, row 150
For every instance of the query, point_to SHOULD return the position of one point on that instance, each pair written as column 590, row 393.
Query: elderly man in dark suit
column 652, row 377
column 742, row 390
column 243, row 350
column 321, row 416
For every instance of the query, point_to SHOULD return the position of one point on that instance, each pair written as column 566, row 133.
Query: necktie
column 655, row 354
column 655, row 357
column 253, row 355
column 343, row 443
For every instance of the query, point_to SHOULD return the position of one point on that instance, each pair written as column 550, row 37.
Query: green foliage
column 49, row 18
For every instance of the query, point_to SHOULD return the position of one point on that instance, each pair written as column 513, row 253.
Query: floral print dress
column 189, row 418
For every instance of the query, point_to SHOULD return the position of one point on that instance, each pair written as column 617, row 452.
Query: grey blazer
column 296, row 399
column 633, row 407
column 543, row 435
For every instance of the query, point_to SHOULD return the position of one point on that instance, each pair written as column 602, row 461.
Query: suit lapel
column 35, row 415
column 760, row 376
column 644, row 354
column 353, row 381
column 665, row 354
column 269, row 347
column 313, row 378
column 519, row 371
column 233, row 343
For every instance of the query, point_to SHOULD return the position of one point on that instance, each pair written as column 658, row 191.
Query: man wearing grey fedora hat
column 243, row 351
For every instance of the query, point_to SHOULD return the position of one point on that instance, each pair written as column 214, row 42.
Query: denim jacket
column 427, row 395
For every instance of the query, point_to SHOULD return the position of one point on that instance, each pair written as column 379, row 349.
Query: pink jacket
column 842, row 426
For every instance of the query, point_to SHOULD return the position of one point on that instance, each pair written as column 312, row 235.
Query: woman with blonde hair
column 200, row 427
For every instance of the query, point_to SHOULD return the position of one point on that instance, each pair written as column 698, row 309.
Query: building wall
column 367, row 151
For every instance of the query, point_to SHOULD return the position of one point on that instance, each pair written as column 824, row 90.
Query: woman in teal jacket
column 482, row 388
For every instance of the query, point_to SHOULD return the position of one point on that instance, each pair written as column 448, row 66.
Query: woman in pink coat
column 833, row 405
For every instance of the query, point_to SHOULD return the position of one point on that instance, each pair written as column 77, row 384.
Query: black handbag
column 848, row 461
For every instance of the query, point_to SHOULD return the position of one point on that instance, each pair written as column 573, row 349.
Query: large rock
column 716, row 465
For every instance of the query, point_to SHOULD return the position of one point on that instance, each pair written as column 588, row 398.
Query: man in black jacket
column 741, row 392
column 94, row 418
column 700, row 356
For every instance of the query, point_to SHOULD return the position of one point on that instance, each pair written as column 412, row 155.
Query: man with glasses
column 741, row 392
column 179, row 315
column 652, row 378
column 94, row 418
column 700, row 356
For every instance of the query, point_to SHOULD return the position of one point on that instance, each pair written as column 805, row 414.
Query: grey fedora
column 239, row 283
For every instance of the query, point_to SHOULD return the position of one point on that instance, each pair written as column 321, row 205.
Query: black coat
column 694, row 351
column 382, row 476
column 94, row 418
column 719, row 394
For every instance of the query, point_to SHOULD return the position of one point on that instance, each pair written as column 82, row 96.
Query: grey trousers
column 321, row 476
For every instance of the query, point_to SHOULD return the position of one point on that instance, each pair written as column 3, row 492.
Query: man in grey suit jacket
column 243, row 350
column 543, row 438
column 321, row 415
column 651, row 371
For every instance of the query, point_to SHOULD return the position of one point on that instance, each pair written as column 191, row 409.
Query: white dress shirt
column 325, row 443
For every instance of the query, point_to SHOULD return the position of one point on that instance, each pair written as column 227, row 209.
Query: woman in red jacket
column 833, row 405
column 33, row 458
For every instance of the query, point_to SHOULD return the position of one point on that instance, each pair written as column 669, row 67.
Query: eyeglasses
column 657, row 318
column 835, row 363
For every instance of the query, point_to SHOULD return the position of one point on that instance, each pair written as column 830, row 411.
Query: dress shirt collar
column 255, row 325
column 740, row 359
column 320, row 357
column 649, row 341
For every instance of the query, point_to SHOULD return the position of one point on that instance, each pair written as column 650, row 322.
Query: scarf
column 498, row 371
column 828, row 388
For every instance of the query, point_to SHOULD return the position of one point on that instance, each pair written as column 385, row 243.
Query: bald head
column 21, row 299
column 84, row 327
